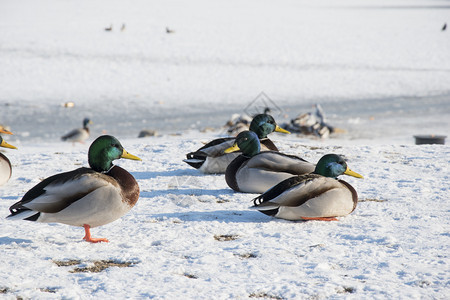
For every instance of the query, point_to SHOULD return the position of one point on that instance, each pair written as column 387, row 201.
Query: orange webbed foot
column 320, row 219
column 95, row 240
column 89, row 238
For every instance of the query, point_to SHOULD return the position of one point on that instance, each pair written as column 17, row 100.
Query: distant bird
column 78, row 135
column 238, row 123
column 85, row 197
column 256, row 172
column 146, row 133
column 169, row 30
column 316, row 196
column 123, row 27
column 5, row 164
column 211, row 158
column 444, row 27
column 109, row 28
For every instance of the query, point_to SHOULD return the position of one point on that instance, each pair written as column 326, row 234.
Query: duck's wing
column 279, row 162
column 74, row 134
column 213, row 149
column 57, row 192
column 216, row 147
column 294, row 191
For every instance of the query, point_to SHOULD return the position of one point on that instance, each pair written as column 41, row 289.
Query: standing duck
column 211, row 158
column 255, row 172
column 5, row 164
column 78, row 135
column 316, row 196
column 85, row 197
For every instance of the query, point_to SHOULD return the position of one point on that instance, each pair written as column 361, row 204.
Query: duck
column 256, row 171
column 84, row 197
column 315, row 196
column 5, row 164
column 211, row 159
column 79, row 135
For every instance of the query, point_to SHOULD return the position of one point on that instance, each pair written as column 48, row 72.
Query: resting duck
column 85, row 197
column 316, row 196
column 5, row 164
column 78, row 135
column 256, row 172
column 211, row 158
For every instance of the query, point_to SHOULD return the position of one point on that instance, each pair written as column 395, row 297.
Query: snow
column 380, row 70
column 394, row 245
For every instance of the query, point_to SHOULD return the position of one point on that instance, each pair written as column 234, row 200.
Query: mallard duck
column 316, row 196
column 85, row 197
column 5, row 164
column 255, row 172
column 78, row 135
column 211, row 157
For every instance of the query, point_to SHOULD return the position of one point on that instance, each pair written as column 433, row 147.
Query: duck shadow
column 225, row 216
column 8, row 241
column 154, row 174
column 185, row 192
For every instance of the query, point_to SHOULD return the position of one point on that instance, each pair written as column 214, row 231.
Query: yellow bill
column 351, row 173
column 233, row 148
column 127, row 155
column 3, row 130
column 6, row 145
column 279, row 129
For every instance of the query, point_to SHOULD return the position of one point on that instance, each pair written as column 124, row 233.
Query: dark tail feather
column 270, row 212
column 195, row 160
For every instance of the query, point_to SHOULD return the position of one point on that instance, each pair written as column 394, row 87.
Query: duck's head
column 247, row 142
column 332, row 165
column 5, row 144
column 104, row 150
column 264, row 124
column 86, row 121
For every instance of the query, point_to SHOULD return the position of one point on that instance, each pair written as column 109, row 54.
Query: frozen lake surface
column 386, row 61
column 394, row 119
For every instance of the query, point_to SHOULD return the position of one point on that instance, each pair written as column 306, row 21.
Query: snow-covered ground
column 380, row 69
column 395, row 245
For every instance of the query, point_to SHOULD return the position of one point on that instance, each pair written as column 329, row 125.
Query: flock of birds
column 290, row 187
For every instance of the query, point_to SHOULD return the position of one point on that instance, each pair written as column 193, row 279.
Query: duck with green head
column 5, row 164
column 85, row 197
column 255, row 171
column 79, row 135
column 212, row 159
column 316, row 196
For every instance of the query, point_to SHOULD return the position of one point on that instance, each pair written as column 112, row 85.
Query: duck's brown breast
column 128, row 184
